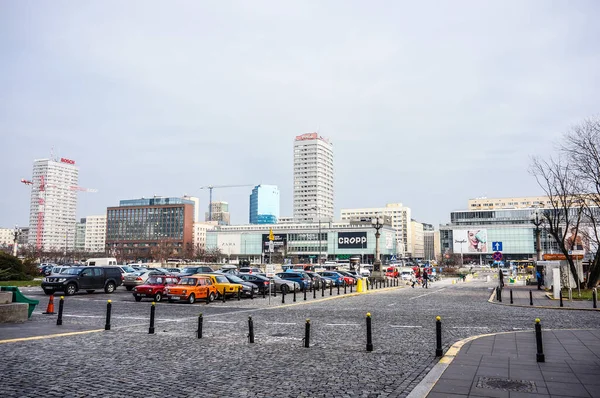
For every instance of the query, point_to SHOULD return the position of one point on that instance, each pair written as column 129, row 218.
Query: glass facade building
column 264, row 204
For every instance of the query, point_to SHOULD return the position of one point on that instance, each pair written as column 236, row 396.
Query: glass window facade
column 264, row 204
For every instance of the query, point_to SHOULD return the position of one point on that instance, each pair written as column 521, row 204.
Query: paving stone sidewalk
column 540, row 298
column 504, row 365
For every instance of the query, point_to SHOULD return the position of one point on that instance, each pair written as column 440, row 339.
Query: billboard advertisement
column 352, row 240
column 279, row 243
column 470, row 240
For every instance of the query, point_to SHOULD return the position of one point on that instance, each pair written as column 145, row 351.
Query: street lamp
column 377, row 223
column 537, row 220
column 16, row 233
column 461, row 249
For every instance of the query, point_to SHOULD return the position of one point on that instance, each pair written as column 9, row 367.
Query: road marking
column 222, row 321
column 427, row 294
column 281, row 323
column 469, row 327
column 48, row 336
column 341, row 324
column 405, row 326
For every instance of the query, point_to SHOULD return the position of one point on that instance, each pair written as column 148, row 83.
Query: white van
column 101, row 261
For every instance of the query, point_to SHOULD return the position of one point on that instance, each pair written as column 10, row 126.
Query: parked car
column 154, row 287
column 261, row 281
column 250, row 270
column 57, row 269
column 174, row 270
column 191, row 288
column 90, row 279
column 223, row 285
column 348, row 277
column 228, row 269
column 196, row 270
column 138, row 278
column 337, row 278
column 249, row 289
column 301, row 278
column 318, row 280
column 284, row 285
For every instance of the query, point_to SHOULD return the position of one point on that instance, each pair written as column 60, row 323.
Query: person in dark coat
column 425, row 278
column 500, row 277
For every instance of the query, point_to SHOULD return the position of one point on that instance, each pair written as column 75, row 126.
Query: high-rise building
column 53, row 204
column 264, row 204
column 429, row 242
column 313, row 178
column 219, row 212
column 418, row 243
column 95, row 234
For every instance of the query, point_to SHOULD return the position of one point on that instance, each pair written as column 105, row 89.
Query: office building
column 7, row 236
column 429, row 248
column 313, row 178
column 399, row 217
column 95, row 234
column 285, row 220
column 219, row 212
column 264, row 204
column 199, row 235
column 196, row 206
column 80, row 236
column 418, row 244
column 521, row 202
column 53, row 206
column 157, row 228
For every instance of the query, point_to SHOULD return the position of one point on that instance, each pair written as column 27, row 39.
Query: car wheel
column 158, row 297
column 70, row 289
column 284, row 289
column 110, row 287
column 90, row 291
column 211, row 297
column 138, row 299
column 129, row 288
column 49, row 292
column 192, row 299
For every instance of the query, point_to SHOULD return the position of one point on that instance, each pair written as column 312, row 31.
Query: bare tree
column 582, row 147
column 557, row 180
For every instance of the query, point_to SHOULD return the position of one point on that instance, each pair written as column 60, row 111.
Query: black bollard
column 304, row 294
column 252, row 294
column 369, row 334
column 330, row 290
column 345, row 288
column 152, row 310
column 108, row 310
column 367, row 283
column 511, row 297
column 294, row 295
column 60, row 310
column 561, row 301
column 282, row 296
column 275, row 291
column 323, row 290
column 338, row 289
column 539, row 357
column 351, row 288
column 530, row 297
column 594, row 298
column 239, row 293
column 224, row 297
column 307, row 334
column 499, row 294
column 250, row 330
column 207, row 295
column 199, row 331
column 314, row 292
column 264, row 291
column 438, row 337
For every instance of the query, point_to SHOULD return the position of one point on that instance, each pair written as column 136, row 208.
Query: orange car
column 223, row 285
column 192, row 288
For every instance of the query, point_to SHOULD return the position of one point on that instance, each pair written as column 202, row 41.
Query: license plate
column 174, row 297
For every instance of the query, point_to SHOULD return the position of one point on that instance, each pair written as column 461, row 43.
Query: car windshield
column 71, row 271
column 189, row 270
column 155, row 280
column 234, row 279
column 221, row 279
column 187, row 281
column 139, row 273
column 127, row 268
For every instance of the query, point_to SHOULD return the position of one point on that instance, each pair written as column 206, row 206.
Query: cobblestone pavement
column 520, row 296
column 173, row 362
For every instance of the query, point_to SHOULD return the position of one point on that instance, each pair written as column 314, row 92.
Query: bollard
column 207, row 295
column 351, row 288
column 283, row 296
column 264, row 291
column 199, row 331
column 495, row 290
column 539, row 357
column 108, row 310
column 223, row 295
column 344, row 288
column 252, row 294
column 438, row 337
column 570, row 294
column 369, row 334
column 294, row 295
column 594, row 298
column 304, row 294
column 239, row 293
column 275, row 291
column 530, row 297
column 250, row 330
column 152, row 310
column 561, row 301
column 367, row 282
column 330, row 290
column 307, row 334
column 511, row 297
column 323, row 290
column 314, row 292
column 338, row 288
column 60, row 310
column 500, row 294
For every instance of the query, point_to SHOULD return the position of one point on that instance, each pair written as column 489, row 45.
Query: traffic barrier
column 561, row 298
column 530, row 297
column 199, row 331
column 369, row 333
column 307, row 334
column 438, row 337
column 239, row 293
column 50, row 308
column 152, row 310
column 108, row 311
column 60, row 310
column 511, row 297
column 594, row 297
column 539, row 357
column 250, row 330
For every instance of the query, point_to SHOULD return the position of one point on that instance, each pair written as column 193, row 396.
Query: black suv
column 89, row 279
column 196, row 270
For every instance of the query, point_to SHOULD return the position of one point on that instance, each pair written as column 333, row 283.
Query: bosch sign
column 65, row 160
column 352, row 240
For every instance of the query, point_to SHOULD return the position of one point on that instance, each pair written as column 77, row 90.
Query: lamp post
column 16, row 233
column 461, row 249
column 537, row 220
column 377, row 223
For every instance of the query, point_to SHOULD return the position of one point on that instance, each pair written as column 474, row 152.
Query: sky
column 427, row 103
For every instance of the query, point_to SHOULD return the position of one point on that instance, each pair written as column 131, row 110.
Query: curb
column 49, row 336
column 545, row 307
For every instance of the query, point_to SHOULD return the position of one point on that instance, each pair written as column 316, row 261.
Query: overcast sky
column 426, row 103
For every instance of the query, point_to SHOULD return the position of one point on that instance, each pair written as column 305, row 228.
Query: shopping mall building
column 301, row 243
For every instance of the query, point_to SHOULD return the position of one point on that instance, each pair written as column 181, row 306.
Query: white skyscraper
column 53, row 204
column 313, row 178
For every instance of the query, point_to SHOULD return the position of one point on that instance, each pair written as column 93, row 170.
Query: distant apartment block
column 219, row 212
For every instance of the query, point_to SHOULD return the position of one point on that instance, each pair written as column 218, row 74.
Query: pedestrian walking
column 539, row 275
column 425, row 279
column 413, row 279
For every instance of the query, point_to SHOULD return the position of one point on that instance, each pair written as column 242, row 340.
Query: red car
column 154, row 287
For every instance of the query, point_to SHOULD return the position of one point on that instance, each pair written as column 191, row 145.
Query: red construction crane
column 42, row 205
column 210, row 188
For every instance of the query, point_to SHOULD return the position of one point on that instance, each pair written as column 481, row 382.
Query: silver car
column 138, row 278
column 282, row 285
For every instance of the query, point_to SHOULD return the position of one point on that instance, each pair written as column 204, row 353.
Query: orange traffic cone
column 50, row 309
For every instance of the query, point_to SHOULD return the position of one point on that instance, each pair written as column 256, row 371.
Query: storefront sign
column 279, row 242
column 68, row 161
column 352, row 240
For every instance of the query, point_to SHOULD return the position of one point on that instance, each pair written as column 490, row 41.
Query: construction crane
column 42, row 204
column 210, row 189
